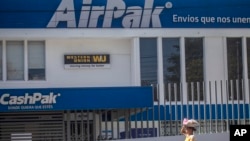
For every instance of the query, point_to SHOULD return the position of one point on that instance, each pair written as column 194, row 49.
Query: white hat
column 190, row 123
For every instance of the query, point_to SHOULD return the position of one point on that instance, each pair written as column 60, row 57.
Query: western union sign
column 86, row 61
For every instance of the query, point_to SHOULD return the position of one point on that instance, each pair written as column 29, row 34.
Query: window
column 234, row 63
column 171, row 59
column 16, row 68
column 194, row 59
column 36, row 60
column 15, row 60
column 171, row 67
column 148, row 62
column 194, row 67
column 148, row 58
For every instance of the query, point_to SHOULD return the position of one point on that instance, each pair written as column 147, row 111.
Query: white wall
column 214, row 64
column 119, row 74
column 119, row 43
column 214, row 59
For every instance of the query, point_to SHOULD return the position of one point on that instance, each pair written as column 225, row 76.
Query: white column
column 160, row 76
column 245, row 68
column 135, row 62
column 4, row 61
column 183, row 71
column 225, row 70
column 26, row 70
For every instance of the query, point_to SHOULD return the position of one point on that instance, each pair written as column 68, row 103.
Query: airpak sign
column 132, row 16
column 86, row 61
column 124, row 14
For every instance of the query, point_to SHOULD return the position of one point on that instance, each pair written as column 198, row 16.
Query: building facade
column 77, row 69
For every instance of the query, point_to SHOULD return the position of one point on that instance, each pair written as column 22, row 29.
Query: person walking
column 188, row 129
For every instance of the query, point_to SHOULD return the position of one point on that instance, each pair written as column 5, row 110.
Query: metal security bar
column 214, row 104
column 31, row 126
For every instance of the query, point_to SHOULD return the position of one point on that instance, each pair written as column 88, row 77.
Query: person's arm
column 183, row 130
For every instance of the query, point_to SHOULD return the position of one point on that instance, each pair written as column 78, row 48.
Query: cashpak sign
column 28, row 101
column 41, row 99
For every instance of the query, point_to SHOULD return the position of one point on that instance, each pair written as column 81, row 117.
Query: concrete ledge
column 199, row 137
